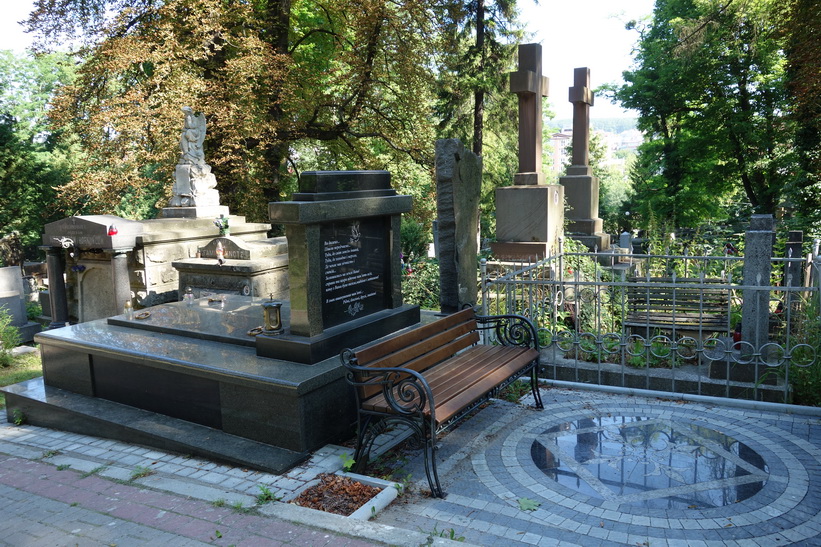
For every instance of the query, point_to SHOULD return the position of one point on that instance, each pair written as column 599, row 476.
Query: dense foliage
column 33, row 159
column 285, row 86
column 710, row 84
column 473, row 102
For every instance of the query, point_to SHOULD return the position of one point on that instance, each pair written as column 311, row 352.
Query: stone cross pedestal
column 581, row 186
column 529, row 214
column 530, row 86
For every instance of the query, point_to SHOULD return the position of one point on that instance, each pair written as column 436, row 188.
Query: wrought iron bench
column 430, row 377
column 683, row 304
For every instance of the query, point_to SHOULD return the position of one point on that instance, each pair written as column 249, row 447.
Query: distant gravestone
column 12, row 300
column 581, row 186
column 793, row 250
column 758, row 252
column 458, row 187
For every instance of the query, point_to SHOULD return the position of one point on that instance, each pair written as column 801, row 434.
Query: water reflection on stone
column 654, row 463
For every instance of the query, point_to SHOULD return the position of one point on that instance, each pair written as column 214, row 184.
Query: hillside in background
column 612, row 125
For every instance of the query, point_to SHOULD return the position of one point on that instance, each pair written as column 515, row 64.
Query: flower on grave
column 222, row 225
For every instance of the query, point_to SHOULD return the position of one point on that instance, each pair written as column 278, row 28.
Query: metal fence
column 667, row 322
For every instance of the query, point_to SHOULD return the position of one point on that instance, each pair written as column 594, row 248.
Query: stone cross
column 529, row 84
column 582, row 98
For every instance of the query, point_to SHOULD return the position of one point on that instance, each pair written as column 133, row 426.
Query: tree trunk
column 479, row 92
column 278, row 17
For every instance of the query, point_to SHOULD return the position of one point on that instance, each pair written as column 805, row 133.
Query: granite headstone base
column 315, row 349
column 529, row 219
column 215, row 384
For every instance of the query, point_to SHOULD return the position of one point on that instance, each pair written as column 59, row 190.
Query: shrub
column 33, row 310
column 414, row 238
column 9, row 337
column 420, row 284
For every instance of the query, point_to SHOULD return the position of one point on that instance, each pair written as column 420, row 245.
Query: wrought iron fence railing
column 675, row 323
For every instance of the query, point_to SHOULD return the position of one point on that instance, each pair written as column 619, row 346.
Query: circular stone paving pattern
column 707, row 473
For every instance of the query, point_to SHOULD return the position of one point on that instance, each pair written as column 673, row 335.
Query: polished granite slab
column 185, row 352
column 59, row 409
column 220, row 317
column 226, row 387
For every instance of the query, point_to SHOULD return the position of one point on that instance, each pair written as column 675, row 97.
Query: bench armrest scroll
column 510, row 330
column 405, row 390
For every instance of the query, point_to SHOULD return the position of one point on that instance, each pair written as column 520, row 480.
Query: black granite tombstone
column 344, row 263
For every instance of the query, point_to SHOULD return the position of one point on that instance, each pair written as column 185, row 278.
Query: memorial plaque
column 232, row 249
column 355, row 269
column 92, row 232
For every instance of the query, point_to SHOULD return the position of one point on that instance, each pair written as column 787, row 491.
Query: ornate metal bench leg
column 430, row 469
column 534, row 386
column 368, row 432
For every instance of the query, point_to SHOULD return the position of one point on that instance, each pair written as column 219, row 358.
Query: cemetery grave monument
column 581, row 186
column 204, row 376
column 529, row 214
column 458, row 186
column 98, row 262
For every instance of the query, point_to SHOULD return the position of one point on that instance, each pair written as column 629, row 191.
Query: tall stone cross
column 529, row 84
column 582, row 98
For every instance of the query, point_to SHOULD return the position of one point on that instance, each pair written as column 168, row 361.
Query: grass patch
column 141, row 471
column 94, row 471
column 23, row 367
column 515, row 391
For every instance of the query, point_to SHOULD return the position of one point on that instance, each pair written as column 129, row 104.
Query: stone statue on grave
column 192, row 138
column 194, row 184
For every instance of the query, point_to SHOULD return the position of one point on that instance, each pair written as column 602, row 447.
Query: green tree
column 709, row 87
column 33, row 161
column 281, row 82
column 803, row 52
column 473, row 102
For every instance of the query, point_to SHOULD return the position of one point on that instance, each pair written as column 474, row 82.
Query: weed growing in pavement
column 18, row 417
column 219, row 502
column 240, row 508
column 347, row 462
column 98, row 469
column 63, row 466
column 49, row 454
column 265, row 495
column 449, row 534
column 140, row 472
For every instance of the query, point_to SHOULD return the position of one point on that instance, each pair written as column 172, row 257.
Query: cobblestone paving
column 59, row 488
column 598, row 469
column 591, row 469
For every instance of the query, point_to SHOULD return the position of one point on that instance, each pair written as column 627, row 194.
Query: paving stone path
column 591, row 469
column 598, row 469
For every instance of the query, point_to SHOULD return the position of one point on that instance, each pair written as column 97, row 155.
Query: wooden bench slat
column 464, row 370
column 459, row 370
column 466, row 378
column 464, row 398
column 445, row 343
column 687, row 304
column 371, row 353
column 459, row 373
column 424, row 354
